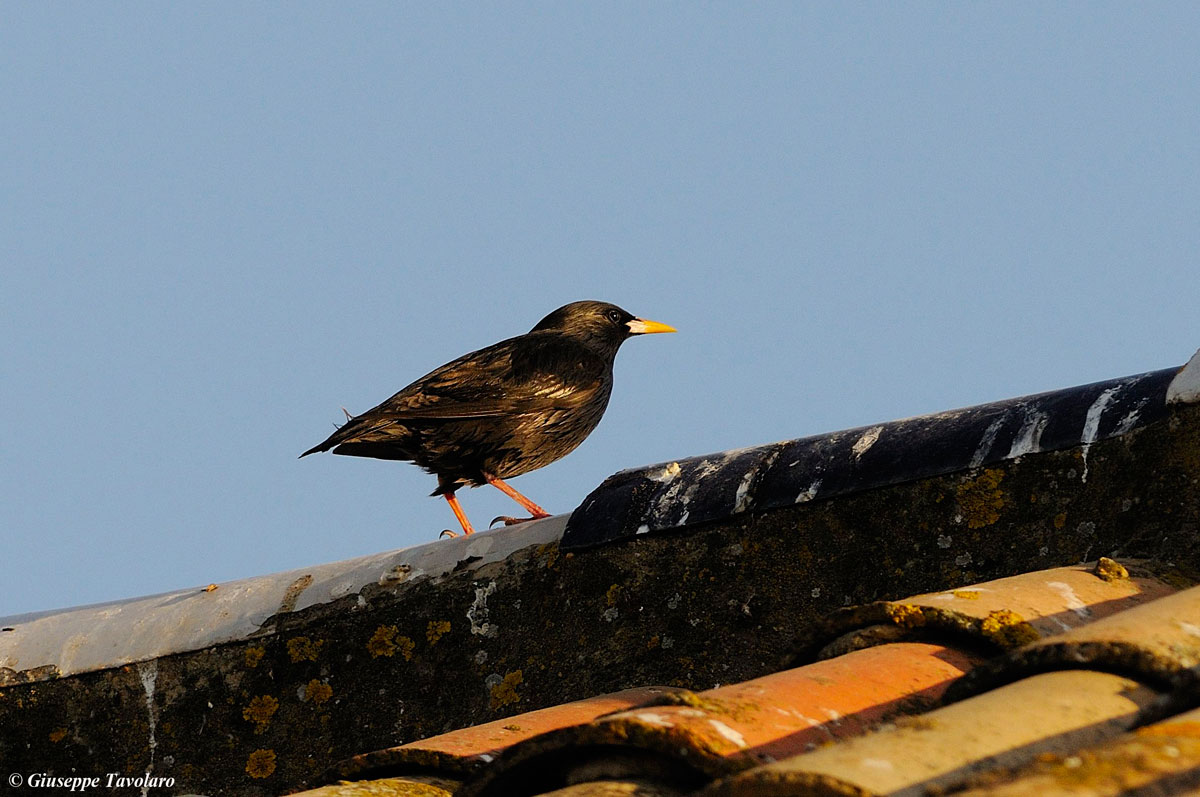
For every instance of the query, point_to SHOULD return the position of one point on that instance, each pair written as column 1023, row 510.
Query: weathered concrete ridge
column 51, row 644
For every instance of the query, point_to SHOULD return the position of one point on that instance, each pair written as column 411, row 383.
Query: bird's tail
column 361, row 437
column 343, row 431
column 320, row 447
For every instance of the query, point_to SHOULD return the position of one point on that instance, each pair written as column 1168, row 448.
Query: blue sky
column 222, row 222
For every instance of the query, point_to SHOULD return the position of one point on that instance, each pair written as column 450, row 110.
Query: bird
column 502, row 411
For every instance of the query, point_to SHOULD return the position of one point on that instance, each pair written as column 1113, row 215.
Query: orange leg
column 530, row 506
column 459, row 513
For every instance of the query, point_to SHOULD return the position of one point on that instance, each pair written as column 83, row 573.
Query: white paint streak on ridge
column 1130, row 420
column 665, row 501
column 1185, row 387
column 742, row 499
column 729, row 733
column 148, row 671
column 478, row 613
column 1070, row 599
column 1189, row 628
column 809, row 493
column 668, row 473
column 1091, row 424
column 1029, row 437
column 868, row 439
column 985, row 442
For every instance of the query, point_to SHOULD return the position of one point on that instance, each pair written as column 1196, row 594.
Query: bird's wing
column 536, row 372
column 532, row 373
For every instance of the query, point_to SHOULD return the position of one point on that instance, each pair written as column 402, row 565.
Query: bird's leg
column 459, row 513
column 530, row 507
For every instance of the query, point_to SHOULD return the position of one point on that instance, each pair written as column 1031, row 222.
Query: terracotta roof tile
column 406, row 786
column 1163, row 758
column 1009, row 726
column 1158, row 642
column 733, row 727
column 1005, row 613
column 467, row 749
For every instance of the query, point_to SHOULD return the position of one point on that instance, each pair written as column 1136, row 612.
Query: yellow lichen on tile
column 317, row 692
column 610, row 597
column 386, row 641
column 260, row 711
column 981, row 498
column 436, row 630
column 505, row 692
column 1180, row 728
column 1060, row 520
column 1008, row 629
column 58, row 734
column 904, row 615
column 261, row 764
column 254, row 656
column 549, row 554
column 302, row 648
column 966, row 594
column 1110, row 570
column 383, row 641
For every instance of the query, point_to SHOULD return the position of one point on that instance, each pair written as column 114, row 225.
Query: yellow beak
column 640, row 326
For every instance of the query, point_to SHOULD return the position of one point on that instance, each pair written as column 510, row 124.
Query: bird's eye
column 614, row 316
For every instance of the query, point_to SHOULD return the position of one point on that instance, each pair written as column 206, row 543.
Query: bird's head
column 600, row 323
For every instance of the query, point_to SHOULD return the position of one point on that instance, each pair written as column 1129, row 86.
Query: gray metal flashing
column 86, row 638
column 714, row 487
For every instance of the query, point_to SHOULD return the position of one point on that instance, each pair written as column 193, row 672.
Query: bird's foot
column 512, row 521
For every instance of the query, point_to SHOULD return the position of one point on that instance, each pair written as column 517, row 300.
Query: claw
column 511, row 521
column 448, row 533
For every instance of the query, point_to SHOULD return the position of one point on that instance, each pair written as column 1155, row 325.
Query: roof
column 772, row 610
column 961, row 685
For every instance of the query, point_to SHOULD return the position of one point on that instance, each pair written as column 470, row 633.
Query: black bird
column 496, row 413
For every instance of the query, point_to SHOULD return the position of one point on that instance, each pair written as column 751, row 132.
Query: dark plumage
column 502, row 411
